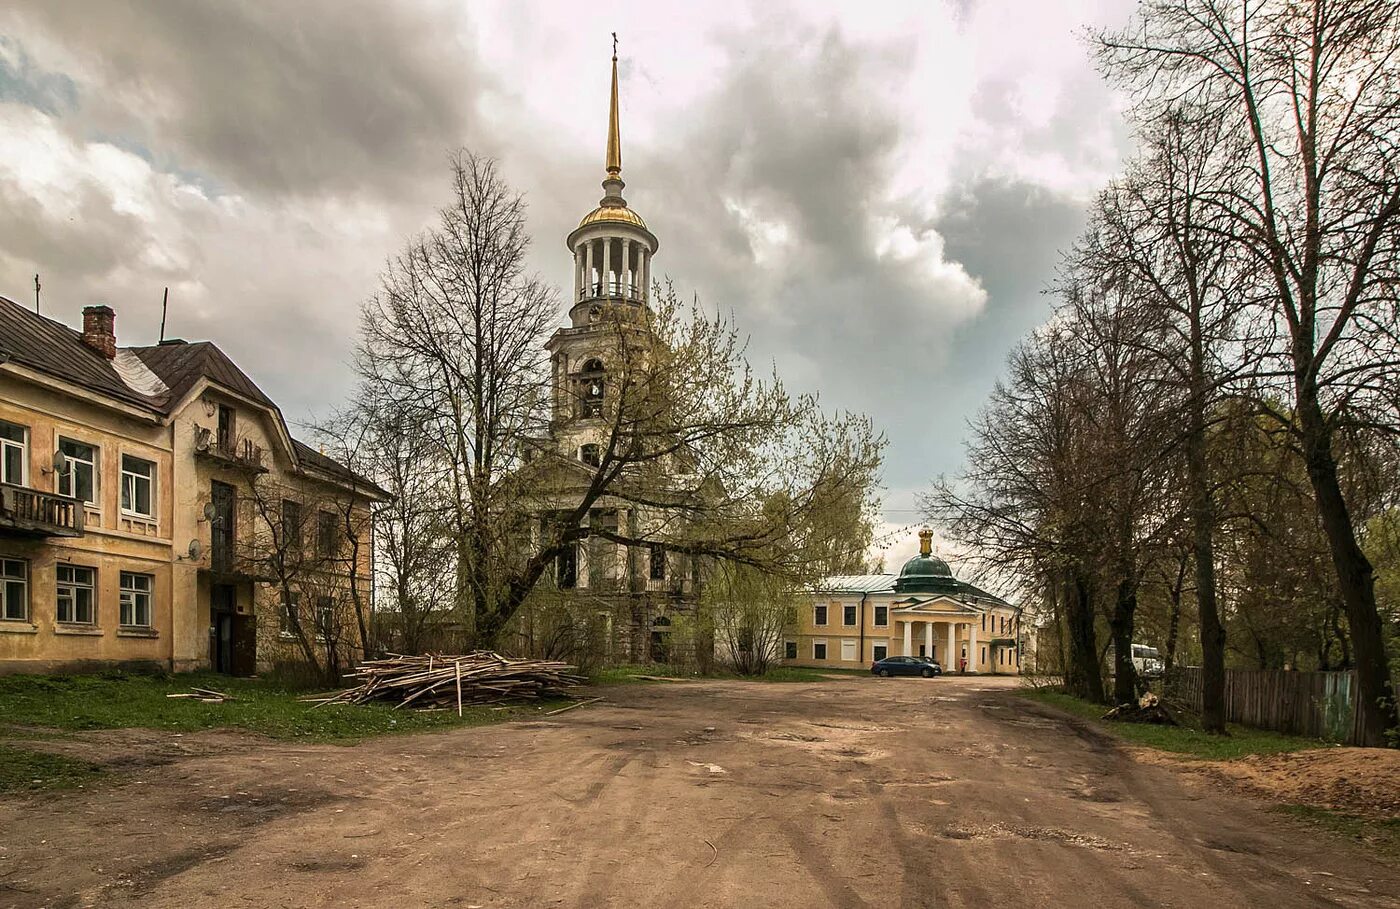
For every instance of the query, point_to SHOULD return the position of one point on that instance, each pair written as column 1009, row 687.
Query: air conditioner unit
column 202, row 438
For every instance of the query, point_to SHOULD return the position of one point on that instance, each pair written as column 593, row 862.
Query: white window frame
column 69, row 589
column 23, row 446
column 826, row 615
column 875, row 649
column 134, row 477
column 876, row 619
column 65, row 479
column 14, row 573
column 850, row 646
column 131, row 596
column 854, row 613
column 825, row 650
column 795, row 651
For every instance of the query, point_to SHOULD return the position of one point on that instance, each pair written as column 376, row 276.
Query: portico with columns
column 923, row 612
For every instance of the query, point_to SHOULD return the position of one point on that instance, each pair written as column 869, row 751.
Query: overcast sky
column 878, row 191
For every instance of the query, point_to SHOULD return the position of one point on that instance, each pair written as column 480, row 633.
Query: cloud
column 876, row 194
column 291, row 99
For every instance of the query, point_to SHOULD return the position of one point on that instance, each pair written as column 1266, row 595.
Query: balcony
column 30, row 513
column 243, row 454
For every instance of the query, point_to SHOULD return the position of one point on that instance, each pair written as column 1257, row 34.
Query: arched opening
column 661, row 640
column 592, row 387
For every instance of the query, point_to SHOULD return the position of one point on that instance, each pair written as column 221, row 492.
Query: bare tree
column 1312, row 90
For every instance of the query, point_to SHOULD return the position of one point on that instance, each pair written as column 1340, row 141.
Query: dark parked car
column 902, row 665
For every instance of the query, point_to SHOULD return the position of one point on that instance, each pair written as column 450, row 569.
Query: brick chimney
column 100, row 330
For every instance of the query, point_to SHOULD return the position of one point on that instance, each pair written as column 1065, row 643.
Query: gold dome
column 613, row 213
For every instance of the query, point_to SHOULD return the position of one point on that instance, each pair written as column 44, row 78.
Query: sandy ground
column 860, row 792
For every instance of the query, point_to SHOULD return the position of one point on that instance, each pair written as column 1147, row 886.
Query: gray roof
column 857, row 583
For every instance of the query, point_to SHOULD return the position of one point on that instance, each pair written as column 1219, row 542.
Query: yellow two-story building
column 924, row 611
column 154, row 509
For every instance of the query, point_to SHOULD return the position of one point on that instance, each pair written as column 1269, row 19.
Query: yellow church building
column 924, row 611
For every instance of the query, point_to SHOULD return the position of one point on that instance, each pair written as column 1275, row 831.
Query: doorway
column 233, row 638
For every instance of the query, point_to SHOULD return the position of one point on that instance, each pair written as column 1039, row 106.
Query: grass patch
column 624, row 675
column 23, row 770
column 268, row 707
column 1379, row 835
column 1186, row 739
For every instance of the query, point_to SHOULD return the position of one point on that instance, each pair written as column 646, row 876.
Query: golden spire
column 614, row 164
column 925, row 542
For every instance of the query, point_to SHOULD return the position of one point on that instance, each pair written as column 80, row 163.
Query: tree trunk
column 1083, row 677
column 1124, row 672
column 1203, row 552
column 1375, row 703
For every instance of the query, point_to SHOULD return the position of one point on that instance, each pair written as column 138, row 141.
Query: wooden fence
column 1319, row 705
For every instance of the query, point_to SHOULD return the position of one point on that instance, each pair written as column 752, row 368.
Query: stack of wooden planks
column 439, row 681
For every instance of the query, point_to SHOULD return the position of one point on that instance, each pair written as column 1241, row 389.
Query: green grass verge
column 624, row 675
column 262, row 706
column 1380, row 835
column 23, row 770
column 1186, row 739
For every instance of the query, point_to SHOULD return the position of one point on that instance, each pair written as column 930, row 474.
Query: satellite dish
column 60, row 461
column 208, row 511
column 202, row 438
column 195, row 550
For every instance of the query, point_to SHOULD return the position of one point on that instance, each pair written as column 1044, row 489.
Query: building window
column 289, row 614
column 880, row 651
column 566, row 567
column 136, row 599
column 789, row 650
column 984, row 621
column 657, row 558
column 291, row 525
column 819, row 615
column 14, row 590
column 73, row 595
column 984, row 655
column 327, row 534
column 325, row 617
column 138, row 486
column 848, row 616
column 14, row 453
column 226, row 434
column 589, row 455
column 848, row 651
column 819, row 650
column 79, row 477
column 882, row 616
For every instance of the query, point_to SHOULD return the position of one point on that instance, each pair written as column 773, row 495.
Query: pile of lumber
column 441, row 681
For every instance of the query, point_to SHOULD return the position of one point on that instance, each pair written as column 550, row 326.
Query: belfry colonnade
column 612, row 267
column 948, row 647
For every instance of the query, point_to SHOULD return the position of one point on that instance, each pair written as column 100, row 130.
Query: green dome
column 926, row 566
column 926, row 572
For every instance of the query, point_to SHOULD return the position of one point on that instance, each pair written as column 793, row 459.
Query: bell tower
column 611, row 246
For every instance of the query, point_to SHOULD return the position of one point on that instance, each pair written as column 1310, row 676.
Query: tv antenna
column 164, row 302
column 36, row 292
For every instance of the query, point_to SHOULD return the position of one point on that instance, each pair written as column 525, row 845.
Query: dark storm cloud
column 316, row 96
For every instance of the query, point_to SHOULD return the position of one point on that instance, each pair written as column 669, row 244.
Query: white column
column 578, row 273
column 588, row 269
column 625, row 273
column 950, row 658
column 971, row 647
column 908, row 638
column 928, row 639
column 646, row 275
column 607, row 266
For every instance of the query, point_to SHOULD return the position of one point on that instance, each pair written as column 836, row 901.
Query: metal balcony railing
column 624, row 290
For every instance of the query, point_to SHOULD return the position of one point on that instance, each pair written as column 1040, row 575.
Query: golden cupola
column 612, row 247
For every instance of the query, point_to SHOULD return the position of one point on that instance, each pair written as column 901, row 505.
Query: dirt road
column 860, row 792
